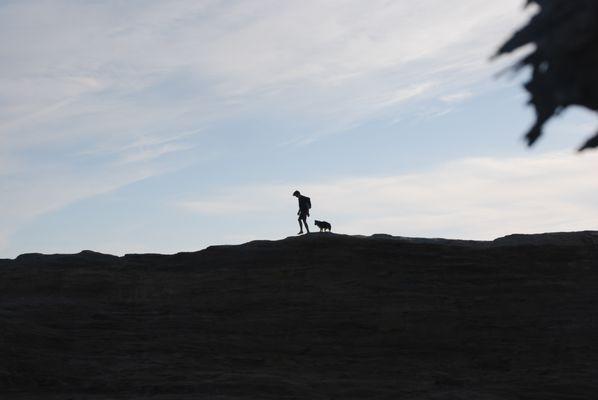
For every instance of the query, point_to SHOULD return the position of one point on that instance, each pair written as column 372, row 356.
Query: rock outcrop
column 316, row 317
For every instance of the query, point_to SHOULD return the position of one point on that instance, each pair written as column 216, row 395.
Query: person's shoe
column 300, row 233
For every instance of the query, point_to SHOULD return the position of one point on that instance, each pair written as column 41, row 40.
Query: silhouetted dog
column 323, row 225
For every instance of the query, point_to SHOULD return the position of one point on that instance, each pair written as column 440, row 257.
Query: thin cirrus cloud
column 220, row 206
column 112, row 84
column 21, row 203
column 85, row 64
column 456, row 97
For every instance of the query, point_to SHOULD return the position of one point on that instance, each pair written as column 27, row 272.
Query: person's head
column 296, row 193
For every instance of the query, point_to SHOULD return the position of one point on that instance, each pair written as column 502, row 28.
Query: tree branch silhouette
column 564, row 61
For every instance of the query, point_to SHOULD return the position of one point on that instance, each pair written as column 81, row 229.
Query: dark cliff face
column 321, row 316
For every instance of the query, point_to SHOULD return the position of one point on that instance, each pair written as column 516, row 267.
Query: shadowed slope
column 314, row 317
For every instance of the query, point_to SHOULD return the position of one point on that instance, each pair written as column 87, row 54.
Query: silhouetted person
column 303, row 213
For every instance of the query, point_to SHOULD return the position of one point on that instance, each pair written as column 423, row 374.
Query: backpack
column 308, row 202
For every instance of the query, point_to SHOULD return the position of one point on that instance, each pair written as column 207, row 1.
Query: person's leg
column 300, row 226
column 305, row 223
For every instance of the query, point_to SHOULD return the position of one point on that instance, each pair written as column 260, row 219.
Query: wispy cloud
column 456, row 97
column 147, row 153
column 86, row 66
column 220, row 207
column 21, row 202
column 94, row 95
column 30, row 192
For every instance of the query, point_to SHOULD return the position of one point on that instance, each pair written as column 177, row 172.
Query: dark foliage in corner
column 564, row 61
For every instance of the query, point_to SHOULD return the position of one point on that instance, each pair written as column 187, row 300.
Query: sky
column 150, row 126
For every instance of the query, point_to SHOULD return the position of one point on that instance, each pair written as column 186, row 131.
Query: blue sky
column 151, row 126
